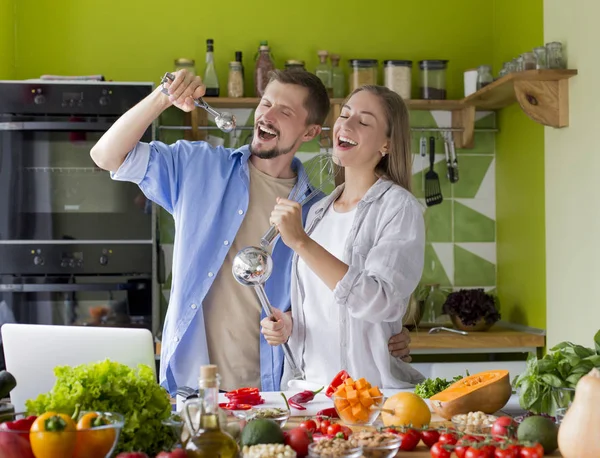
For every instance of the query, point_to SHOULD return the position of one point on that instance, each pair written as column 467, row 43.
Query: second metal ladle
column 225, row 121
column 252, row 266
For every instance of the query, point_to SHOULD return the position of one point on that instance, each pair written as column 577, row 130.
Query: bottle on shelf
column 323, row 71
column 338, row 79
column 264, row 65
column 238, row 58
column 211, row 81
column 208, row 438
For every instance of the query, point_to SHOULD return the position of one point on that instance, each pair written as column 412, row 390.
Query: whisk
column 320, row 173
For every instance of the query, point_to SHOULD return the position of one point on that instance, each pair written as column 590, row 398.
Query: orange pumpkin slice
column 487, row 392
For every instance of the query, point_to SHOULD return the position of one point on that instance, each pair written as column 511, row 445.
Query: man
column 221, row 200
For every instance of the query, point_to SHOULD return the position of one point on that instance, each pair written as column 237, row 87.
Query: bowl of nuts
column 375, row 444
column 279, row 416
column 334, row 448
column 474, row 422
column 268, row 451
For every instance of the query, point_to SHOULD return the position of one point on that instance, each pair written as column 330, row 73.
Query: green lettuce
column 108, row 386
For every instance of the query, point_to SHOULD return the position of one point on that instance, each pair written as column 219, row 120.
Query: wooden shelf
column 542, row 94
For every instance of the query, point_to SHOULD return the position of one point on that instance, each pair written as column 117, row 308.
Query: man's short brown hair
column 317, row 102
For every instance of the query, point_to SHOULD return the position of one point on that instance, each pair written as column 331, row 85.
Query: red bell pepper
column 336, row 382
column 23, row 424
column 245, row 396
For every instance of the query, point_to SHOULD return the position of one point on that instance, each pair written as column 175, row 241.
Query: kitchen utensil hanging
column 450, row 169
column 454, row 156
column 423, row 154
column 433, row 192
column 225, row 121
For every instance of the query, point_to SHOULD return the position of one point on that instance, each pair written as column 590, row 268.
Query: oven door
column 51, row 190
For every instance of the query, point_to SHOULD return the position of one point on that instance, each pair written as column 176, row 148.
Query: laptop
column 32, row 352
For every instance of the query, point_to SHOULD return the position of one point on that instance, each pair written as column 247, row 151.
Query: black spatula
column 433, row 192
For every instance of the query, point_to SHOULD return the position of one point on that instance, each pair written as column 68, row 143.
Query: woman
column 361, row 255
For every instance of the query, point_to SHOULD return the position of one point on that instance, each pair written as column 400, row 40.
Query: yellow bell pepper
column 93, row 441
column 52, row 435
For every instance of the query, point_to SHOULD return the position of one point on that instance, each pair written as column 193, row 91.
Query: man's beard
column 271, row 153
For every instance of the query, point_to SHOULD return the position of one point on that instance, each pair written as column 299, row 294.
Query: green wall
column 139, row 39
column 7, row 39
column 521, row 277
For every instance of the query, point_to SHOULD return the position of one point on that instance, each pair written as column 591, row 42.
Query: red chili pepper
column 336, row 382
column 305, row 396
column 330, row 413
column 295, row 405
column 23, row 424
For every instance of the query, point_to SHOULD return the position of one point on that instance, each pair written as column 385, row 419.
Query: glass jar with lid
column 188, row 64
column 363, row 72
column 528, row 61
column 484, row 76
column 433, row 79
column 235, row 82
column 299, row 64
column 397, row 76
column 555, row 56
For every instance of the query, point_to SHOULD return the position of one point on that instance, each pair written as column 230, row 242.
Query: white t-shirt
column 322, row 314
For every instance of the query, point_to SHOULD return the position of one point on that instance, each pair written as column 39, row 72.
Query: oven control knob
column 104, row 100
column 38, row 261
column 39, row 99
column 103, row 260
column 64, row 263
column 71, row 262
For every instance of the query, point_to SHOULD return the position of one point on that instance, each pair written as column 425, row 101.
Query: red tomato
column 298, row 439
column 504, row 427
column 409, row 439
column 324, row 425
column 333, row 429
column 309, row 425
column 486, row 451
column 506, row 453
column 430, row 437
column 438, row 451
column 448, row 438
column 534, row 451
column 470, row 438
column 460, row 449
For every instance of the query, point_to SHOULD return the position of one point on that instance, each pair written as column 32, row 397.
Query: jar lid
column 235, row 63
column 394, row 63
column 184, row 61
column 362, row 62
column 435, row 64
column 294, row 62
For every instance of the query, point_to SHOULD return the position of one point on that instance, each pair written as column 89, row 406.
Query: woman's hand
column 287, row 217
column 277, row 332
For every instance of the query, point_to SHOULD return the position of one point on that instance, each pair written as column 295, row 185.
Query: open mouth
column 345, row 142
column 265, row 133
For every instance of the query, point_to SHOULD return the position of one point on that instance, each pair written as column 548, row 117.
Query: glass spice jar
column 518, row 64
column 235, row 82
column 528, row 61
column 289, row 64
column 188, row 64
column 433, row 79
column 484, row 76
column 540, row 57
column 397, row 76
column 554, row 54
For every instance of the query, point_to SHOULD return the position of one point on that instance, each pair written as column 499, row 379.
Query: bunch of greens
column 562, row 368
column 113, row 387
column 471, row 305
column 430, row 386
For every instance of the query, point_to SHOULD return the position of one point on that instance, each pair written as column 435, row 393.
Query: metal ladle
column 252, row 266
column 225, row 121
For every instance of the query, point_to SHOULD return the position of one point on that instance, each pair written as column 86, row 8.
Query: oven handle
column 59, row 126
column 66, row 287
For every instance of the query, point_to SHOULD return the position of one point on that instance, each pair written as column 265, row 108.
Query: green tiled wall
column 461, row 232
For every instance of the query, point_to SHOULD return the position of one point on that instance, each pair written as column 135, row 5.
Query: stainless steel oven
column 75, row 246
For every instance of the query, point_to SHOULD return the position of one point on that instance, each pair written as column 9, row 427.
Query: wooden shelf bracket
column 545, row 102
column 464, row 119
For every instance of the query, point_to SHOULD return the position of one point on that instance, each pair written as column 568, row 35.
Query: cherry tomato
column 430, row 437
column 504, row 427
column 506, row 453
column 448, row 438
column 486, row 451
column 333, row 429
column 409, row 439
column 324, row 425
column 309, row 425
column 533, row 451
column 460, row 449
column 470, row 438
column 298, row 439
column 438, row 451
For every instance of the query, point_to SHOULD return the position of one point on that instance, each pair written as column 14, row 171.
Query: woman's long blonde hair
column 397, row 164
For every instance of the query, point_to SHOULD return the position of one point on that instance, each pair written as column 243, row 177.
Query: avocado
column 7, row 383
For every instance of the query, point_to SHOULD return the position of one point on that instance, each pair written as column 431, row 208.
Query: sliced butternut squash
column 487, row 392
